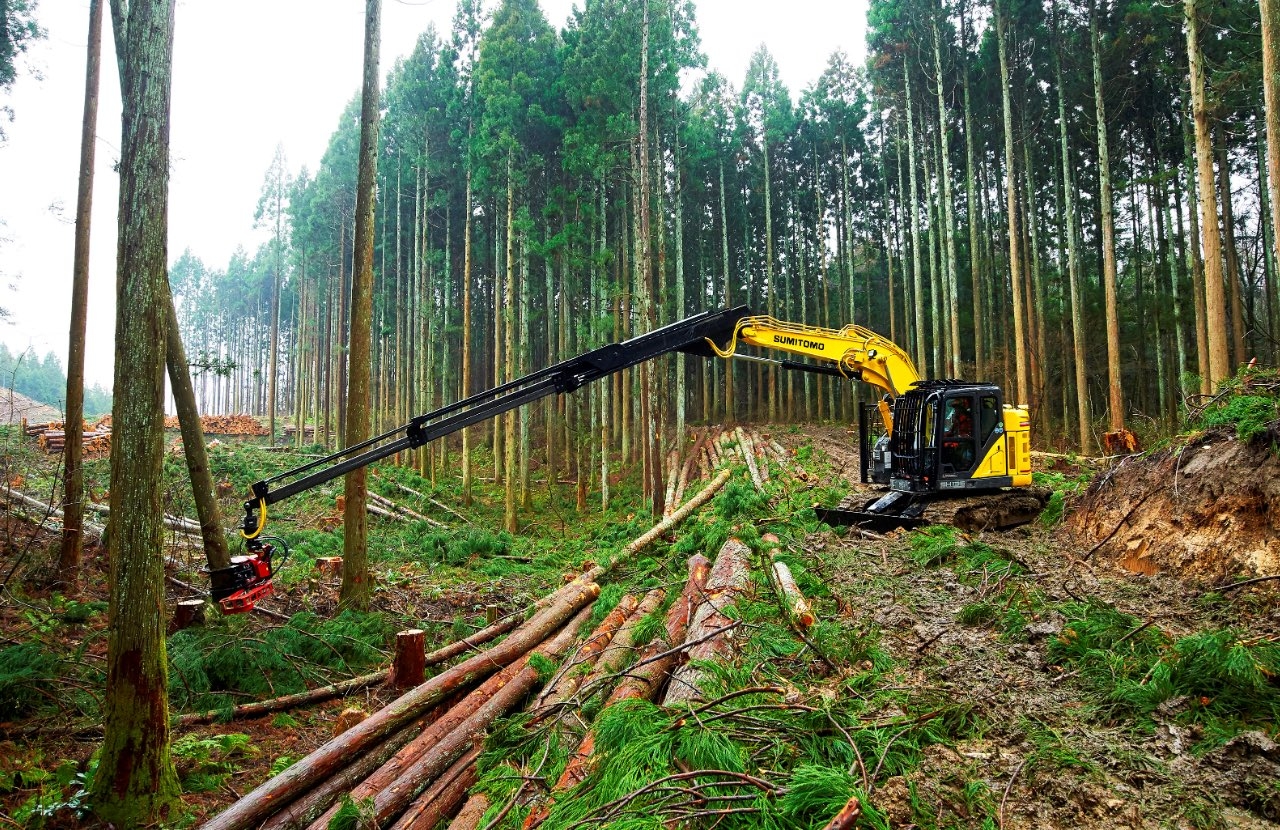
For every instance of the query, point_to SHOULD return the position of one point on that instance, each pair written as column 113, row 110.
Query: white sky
column 248, row 75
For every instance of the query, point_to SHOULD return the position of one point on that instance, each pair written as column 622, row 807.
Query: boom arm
column 689, row 335
column 858, row 352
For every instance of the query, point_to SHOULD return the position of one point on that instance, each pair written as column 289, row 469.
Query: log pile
column 713, row 448
column 308, row 431
column 51, row 437
column 223, row 424
column 413, row 754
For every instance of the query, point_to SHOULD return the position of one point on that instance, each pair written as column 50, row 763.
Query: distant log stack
column 223, row 424
column 52, row 438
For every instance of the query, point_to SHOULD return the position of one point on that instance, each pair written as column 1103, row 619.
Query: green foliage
column 1223, row 678
column 27, row 672
column 354, row 815
column 205, row 763
column 458, row 547
column 739, row 498
column 1250, row 415
column 816, row 793
column 543, row 665
column 932, row 546
column 230, row 655
column 977, row 614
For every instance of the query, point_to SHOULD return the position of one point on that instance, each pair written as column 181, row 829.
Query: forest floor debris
column 949, row 680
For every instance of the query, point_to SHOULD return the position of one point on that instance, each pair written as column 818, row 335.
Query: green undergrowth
column 234, row 658
column 1221, row 679
column 1249, row 403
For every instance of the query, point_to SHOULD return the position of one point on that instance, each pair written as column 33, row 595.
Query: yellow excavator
column 937, row 438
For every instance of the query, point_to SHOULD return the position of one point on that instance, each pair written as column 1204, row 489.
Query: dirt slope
column 1207, row 511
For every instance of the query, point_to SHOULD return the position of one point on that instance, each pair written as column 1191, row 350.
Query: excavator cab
column 948, row 437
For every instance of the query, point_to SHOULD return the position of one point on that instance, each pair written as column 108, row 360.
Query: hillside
column 15, row 407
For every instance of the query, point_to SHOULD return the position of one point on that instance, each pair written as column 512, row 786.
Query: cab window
column 988, row 416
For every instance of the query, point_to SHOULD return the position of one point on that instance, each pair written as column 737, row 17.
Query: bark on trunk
column 136, row 783
column 73, row 489
column 730, row 578
column 356, row 586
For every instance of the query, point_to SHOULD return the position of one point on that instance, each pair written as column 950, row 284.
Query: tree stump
column 410, row 664
column 329, row 564
column 187, row 613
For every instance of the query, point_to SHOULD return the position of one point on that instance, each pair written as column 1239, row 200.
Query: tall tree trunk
column 651, row 446
column 1079, row 350
column 1115, row 390
column 728, row 294
column 1239, row 327
column 1215, row 298
column 1194, row 262
column 948, row 215
column 136, row 783
column 466, row 335
column 917, row 272
column 1018, row 347
column 356, row 584
column 73, row 490
column 1270, row 11
column 193, row 448
column 507, row 318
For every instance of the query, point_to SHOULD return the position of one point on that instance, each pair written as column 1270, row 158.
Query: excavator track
column 997, row 510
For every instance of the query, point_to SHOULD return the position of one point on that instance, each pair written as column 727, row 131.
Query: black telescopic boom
column 689, row 335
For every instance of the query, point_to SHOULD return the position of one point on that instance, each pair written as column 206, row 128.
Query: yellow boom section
column 859, row 352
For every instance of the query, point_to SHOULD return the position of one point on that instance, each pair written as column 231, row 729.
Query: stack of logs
column 308, row 431
column 409, row 765
column 52, row 437
column 714, row 447
column 223, row 424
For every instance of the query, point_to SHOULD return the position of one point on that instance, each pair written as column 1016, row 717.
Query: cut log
column 469, row 816
column 749, row 456
column 643, row 683
column 304, row 810
column 408, row 667
column 442, row 798
column 384, row 502
column 729, row 579
column 848, row 816
column 762, row 457
column 376, row 780
column 651, row 671
column 622, row 647
column 797, row 607
column 393, row 800
column 570, row 677
column 669, row 500
column 334, row 754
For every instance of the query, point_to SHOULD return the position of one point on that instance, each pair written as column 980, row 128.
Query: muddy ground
column 1044, row 752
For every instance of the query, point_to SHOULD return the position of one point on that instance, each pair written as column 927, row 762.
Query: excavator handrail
column 858, row 351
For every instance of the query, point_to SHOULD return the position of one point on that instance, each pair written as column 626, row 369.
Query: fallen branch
column 263, row 707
